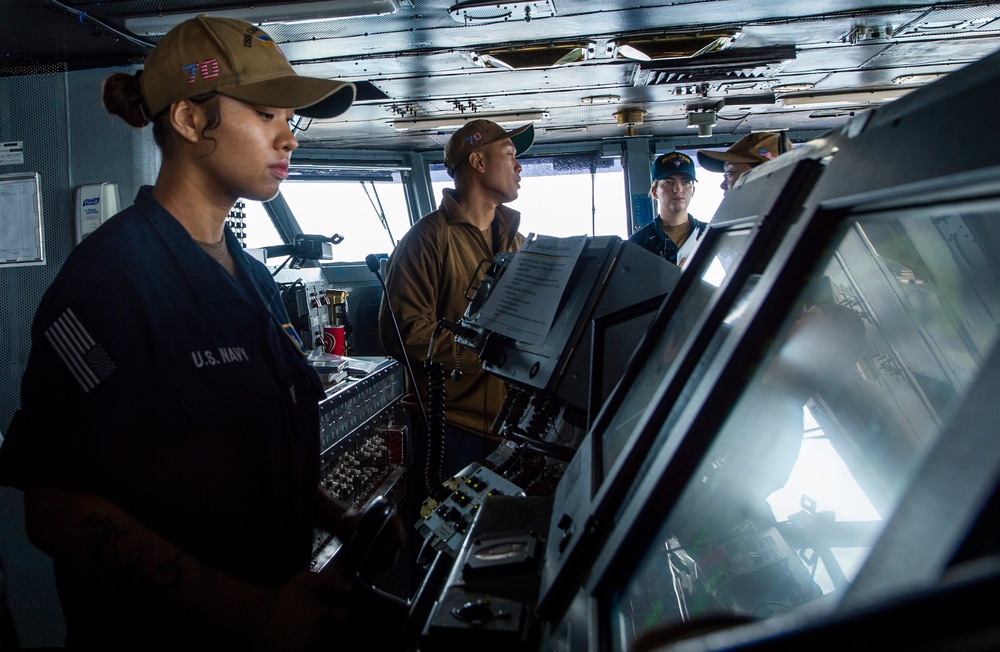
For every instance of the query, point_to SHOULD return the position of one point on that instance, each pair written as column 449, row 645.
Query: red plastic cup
column 333, row 339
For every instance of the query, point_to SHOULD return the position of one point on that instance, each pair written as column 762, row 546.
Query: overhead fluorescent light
column 455, row 121
column 856, row 97
column 287, row 13
column 921, row 78
column 830, row 113
column 793, row 87
column 567, row 129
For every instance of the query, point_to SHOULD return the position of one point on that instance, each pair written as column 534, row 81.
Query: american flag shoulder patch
column 85, row 359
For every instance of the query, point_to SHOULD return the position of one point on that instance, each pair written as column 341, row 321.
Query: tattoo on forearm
column 110, row 543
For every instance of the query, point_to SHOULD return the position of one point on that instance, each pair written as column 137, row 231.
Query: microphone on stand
column 373, row 264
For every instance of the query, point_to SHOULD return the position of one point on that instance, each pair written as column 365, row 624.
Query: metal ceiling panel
column 405, row 66
column 483, row 83
column 875, row 77
column 950, row 20
column 927, row 53
column 840, row 57
column 422, row 59
column 819, row 30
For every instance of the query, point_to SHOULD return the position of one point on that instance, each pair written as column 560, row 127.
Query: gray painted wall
column 69, row 140
column 103, row 147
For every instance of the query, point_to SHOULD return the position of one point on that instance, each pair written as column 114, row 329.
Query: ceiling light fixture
column 703, row 120
column 630, row 118
column 442, row 123
column 481, row 12
column 286, row 13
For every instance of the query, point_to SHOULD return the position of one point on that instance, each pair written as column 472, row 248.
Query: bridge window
column 350, row 204
column 572, row 194
column 259, row 230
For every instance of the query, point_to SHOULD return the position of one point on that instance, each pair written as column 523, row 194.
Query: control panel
column 363, row 444
column 311, row 306
column 364, row 462
column 447, row 523
column 356, row 405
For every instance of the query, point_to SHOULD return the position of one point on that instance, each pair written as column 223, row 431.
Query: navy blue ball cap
column 673, row 163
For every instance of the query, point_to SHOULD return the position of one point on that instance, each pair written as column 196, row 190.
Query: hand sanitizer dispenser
column 95, row 204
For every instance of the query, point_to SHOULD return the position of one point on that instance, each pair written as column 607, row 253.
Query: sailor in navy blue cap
column 674, row 232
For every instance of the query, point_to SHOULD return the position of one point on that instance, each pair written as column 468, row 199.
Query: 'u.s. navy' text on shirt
column 222, row 355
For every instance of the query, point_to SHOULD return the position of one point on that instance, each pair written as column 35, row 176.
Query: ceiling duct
column 727, row 65
column 733, row 57
column 698, row 75
column 749, row 99
column 718, row 103
column 703, row 114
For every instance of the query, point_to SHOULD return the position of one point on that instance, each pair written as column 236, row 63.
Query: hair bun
column 122, row 96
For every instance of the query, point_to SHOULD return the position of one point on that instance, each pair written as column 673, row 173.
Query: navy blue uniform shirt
column 158, row 380
column 652, row 238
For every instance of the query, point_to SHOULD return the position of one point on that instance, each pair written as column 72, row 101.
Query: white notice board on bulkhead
column 22, row 240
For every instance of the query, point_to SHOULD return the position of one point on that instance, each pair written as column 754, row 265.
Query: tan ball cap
column 237, row 60
column 753, row 150
column 476, row 134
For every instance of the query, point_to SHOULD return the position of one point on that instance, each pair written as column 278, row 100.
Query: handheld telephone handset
column 352, row 558
column 381, row 614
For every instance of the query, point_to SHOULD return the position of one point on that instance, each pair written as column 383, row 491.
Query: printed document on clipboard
column 523, row 304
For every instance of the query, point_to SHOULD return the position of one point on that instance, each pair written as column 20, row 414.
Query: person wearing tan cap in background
column 746, row 153
column 168, row 438
column 427, row 278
